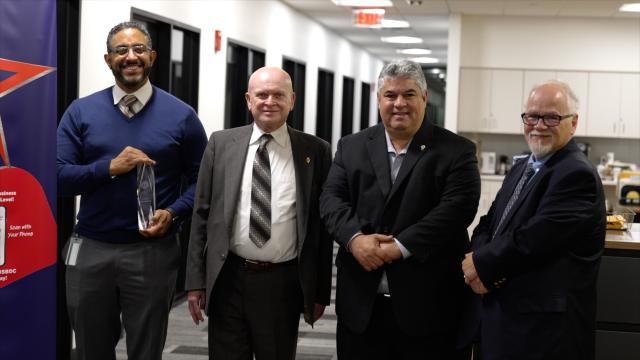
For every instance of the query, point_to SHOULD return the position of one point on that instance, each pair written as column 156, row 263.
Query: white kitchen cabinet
column 630, row 106
column 490, row 101
column 614, row 105
column 533, row 78
column 506, row 102
column 579, row 83
column 475, row 100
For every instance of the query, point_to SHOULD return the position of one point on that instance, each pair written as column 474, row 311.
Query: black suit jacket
column 215, row 205
column 541, row 267
column 428, row 209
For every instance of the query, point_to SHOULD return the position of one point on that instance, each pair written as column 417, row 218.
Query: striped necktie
column 126, row 105
column 526, row 175
column 260, row 217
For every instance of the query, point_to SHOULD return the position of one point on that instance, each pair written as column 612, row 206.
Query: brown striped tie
column 126, row 105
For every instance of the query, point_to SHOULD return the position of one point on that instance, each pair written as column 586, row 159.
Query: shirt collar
column 391, row 149
column 280, row 135
column 143, row 94
column 537, row 164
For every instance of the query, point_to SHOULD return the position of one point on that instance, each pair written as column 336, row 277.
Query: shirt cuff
column 350, row 240
column 405, row 252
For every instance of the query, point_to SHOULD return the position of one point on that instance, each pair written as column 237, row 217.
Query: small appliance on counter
column 629, row 192
column 585, row 148
column 503, row 166
column 488, row 163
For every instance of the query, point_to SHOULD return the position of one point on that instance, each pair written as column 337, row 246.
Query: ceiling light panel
column 401, row 39
column 414, row 51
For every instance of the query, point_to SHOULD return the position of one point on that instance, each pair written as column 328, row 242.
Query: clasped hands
column 374, row 250
column 471, row 277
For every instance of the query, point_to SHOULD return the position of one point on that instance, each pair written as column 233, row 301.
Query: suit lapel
column 377, row 148
column 234, row 161
column 547, row 167
column 420, row 144
column 303, row 162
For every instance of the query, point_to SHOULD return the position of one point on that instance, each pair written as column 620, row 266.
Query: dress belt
column 256, row 265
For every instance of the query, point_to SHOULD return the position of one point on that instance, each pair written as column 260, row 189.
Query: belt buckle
column 256, row 265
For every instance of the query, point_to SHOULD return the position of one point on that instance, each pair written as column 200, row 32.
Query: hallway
column 185, row 340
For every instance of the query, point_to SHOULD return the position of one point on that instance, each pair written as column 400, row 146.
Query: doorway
column 242, row 61
column 324, row 113
column 297, row 71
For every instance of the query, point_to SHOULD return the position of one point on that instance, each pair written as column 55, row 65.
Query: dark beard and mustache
column 135, row 81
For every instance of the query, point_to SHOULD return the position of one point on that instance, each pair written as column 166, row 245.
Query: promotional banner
column 28, row 123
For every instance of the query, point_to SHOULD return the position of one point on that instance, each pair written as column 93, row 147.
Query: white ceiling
column 429, row 19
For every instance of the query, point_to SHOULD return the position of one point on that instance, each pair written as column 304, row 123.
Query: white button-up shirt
column 282, row 244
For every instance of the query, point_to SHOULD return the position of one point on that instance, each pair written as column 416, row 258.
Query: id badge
column 72, row 252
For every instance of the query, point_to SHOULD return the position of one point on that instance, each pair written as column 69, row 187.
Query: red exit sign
column 367, row 17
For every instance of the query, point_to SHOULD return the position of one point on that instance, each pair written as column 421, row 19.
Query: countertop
column 624, row 239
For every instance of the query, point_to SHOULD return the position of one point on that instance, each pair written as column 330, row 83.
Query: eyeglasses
column 548, row 120
column 138, row 49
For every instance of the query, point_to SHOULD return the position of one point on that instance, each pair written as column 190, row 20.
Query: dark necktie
column 395, row 166
column 260, row 218
column 126, row 105
column 528, row 172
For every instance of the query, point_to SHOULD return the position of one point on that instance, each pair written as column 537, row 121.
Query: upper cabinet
column 614, row 105
column 490, row 101
column 578, row 81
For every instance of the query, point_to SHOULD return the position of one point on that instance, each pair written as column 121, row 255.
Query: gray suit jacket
column 215, row 205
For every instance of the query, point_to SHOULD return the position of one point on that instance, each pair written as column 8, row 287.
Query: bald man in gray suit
column 254, row 291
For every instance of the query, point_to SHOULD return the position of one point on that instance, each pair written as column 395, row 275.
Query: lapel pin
column 422, row 147
column 307, row 160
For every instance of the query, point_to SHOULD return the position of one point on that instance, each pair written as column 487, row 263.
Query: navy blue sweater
column 93, row 131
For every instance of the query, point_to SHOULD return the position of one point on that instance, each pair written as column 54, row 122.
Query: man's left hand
column 471, row 277
column 159, row 224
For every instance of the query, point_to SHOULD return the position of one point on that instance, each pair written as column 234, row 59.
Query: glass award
column 146, row 193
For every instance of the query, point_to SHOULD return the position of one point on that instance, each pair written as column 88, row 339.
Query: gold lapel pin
column 307, row 160
column 422, row 147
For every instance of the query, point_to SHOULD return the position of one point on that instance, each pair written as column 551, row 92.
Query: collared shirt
column 395, row 168
column 282, row 244
column 142, row 95
column 537, row 164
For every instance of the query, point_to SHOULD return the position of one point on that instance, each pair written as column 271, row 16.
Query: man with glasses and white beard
column 536, row 254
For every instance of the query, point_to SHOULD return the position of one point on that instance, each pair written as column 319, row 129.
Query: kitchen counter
column 624, row 239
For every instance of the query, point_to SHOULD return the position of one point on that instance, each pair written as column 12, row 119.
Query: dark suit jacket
column 541, row 267
column 428, row 209
column 216, row 201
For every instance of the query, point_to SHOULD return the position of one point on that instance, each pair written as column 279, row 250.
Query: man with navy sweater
column 114, row 270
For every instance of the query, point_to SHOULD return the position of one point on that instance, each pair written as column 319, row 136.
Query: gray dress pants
column 132, row 282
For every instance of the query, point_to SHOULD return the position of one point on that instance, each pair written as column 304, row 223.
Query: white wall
column 557, row 43
column 265, row 24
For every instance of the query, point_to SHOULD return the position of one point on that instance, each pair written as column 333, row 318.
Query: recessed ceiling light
column 414, row 51
column 389, row 23
column 424, row 60
column 363, row 3
column 631, row 7
column 401, row 39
